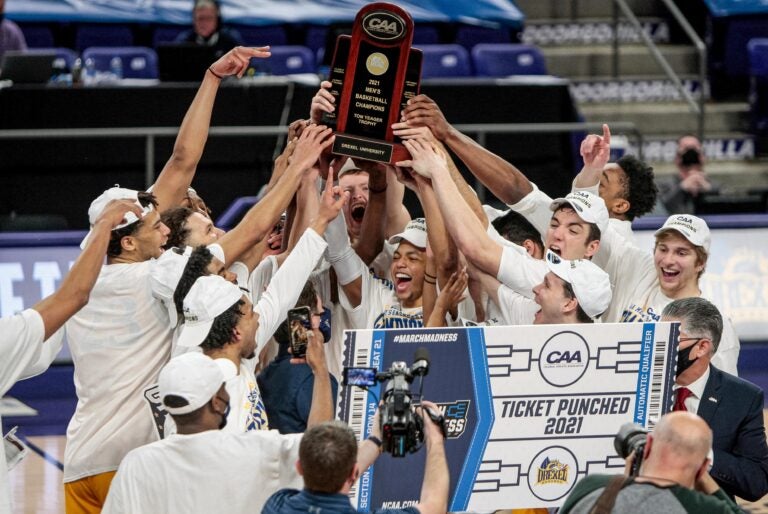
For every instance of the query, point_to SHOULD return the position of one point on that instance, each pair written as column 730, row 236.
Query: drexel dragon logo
column 455, row 414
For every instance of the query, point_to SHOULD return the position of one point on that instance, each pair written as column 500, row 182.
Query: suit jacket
column 733, row 409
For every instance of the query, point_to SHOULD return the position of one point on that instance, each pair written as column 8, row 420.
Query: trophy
column 373, row 74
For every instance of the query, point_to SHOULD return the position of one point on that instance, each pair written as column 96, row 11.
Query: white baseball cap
column 692, row 228
column 415, row 233
column 590, row 284
column 590, row 207
column 192, row 376
column 114, row 193
column 164, row 277
column 348, row 166
column 208, row 297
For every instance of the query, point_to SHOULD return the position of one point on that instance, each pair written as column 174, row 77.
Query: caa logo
column 552, row 473
column 563, row 359
column 455, row 414
column 383, row 25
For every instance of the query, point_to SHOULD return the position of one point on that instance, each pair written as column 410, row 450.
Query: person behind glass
column 207, row 29
column 680, row 194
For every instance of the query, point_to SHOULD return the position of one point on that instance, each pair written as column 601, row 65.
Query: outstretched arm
column 463, row 226
column 437, row 480
column 178, row 172
column 73, row 294
column 503, row 179
column 260, row 219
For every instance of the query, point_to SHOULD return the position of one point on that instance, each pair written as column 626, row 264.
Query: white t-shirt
column 379, row 306
column 513, row 308
column 382, row 263
column 211, row 471
column 119, row 343
column 637, row 294
column 21, row 342
column 246, row 408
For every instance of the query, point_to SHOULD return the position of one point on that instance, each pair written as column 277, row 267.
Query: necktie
column 682, row 394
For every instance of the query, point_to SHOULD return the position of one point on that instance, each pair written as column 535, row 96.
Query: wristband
column 433, row 282
column 376, row 191
column 433, row 277
column 375, row 440
column 215, row 74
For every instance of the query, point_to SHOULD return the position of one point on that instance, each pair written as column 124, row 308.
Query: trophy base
column 369, row 149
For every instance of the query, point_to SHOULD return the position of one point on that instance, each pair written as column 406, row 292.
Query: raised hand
column 426, row 159
column 322, row 102
column 236, row 61
column 115, row 211
column 405, row 131
column 330, row 205
column 453, row 292
column 313, row 140
column 596, row 150
column 421, row 110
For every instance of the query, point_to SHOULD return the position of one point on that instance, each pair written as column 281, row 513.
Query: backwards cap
column 590, row 284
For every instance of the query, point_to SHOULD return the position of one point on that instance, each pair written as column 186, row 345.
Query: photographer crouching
column 330, row 462
column 673, row 476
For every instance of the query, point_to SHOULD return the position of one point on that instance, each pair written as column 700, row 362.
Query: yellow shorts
column 87, row 495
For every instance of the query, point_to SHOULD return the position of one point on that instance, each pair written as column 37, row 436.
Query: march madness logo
column 552, row 472
column 455, row 414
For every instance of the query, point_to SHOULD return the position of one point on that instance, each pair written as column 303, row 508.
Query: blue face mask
column 325, row 324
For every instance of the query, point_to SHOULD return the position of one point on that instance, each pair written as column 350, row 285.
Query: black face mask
column 690, row 157
column 684, row 360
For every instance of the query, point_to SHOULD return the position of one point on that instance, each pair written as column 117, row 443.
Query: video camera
column 631, row 439
column 401, row 428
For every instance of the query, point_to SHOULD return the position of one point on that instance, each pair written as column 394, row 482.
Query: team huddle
column 182, row 353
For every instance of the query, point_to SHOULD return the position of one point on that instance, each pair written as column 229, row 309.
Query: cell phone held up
column 299, row 322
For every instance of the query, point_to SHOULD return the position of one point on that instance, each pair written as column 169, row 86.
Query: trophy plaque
column 373, row 74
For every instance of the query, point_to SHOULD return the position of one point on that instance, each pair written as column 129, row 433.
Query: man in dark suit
column 731, row 406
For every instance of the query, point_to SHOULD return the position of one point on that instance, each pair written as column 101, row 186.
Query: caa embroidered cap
column 207, row 298
column 193, row 376
column 114, row 193
column 692, row 228
column 590, row 207
column 590, row 284
column 415, row 233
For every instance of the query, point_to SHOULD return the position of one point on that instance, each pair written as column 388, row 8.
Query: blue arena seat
column 253, row 35
column 286, row 60
column 469, row 35
column 67, row 56
column 102, row 35
column 139, row 62
column 315, row 37
column 425, row 35
column 445, row 61
column 37, row 36
column 758, row 96
column 501, row 60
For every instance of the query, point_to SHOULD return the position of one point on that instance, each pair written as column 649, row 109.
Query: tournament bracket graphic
column 530, row 409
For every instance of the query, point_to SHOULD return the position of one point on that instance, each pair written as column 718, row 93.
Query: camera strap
column 604, row 504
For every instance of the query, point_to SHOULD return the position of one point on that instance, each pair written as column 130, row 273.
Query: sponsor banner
column 633, row 91
column 530, row 410
column 586, row 33
column 716, row 149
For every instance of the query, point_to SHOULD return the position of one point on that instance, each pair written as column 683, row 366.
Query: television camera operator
column 330, row 463
column 673, row 476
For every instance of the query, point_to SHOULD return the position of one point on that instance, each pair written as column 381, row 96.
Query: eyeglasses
column 697, row 339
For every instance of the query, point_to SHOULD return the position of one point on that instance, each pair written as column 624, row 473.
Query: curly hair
column 221, row 331
column 115, row 247
column 176, row 221
column 197, row 266
column 639, row 186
